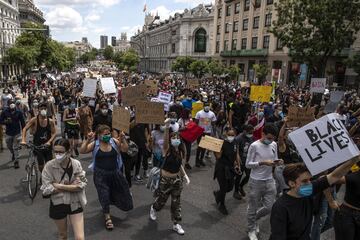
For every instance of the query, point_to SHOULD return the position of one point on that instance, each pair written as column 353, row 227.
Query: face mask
column 267, row 141
column 60, row 157
column 43, row 113
column 305, row 190
column 106, row 138
column 35, row 105
column 172, row 121
column 207, row 109
column 104, row 111
column 230, row 138
column 72, row 106
column 249, row 135
column 175, row 142
column 18, row 102
column 12, row 106
column 189, row 98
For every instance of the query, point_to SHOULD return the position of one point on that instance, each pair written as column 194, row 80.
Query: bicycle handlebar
column 30, row 145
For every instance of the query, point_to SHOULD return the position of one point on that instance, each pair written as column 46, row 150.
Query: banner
column 149, row 112
column 121, row 119
column 89, row 89
column 318, row 85
column 260, row 93
column 108, row 85
column 196, row 107
column 324, row 143
column 211, row 143
column 130, row 95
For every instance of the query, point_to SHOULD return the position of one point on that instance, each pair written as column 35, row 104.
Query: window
column 247, row 5
column 268, row 20
column 217, row 48
column 232, row 62
column 173, row 32
column 243, row 43
column 254, row 42
column 266, row 42
column 218, row 29
column 226, row 45
column 173, row 47
column 246, row 24
column 219, row 12
column 227, row 27
column 279, row 44
column 237, row 8
column 234, row 44
column 269, row 2
column 256, row 22
column 236, row 26
column 257, row 4
column 200, row 40
column 228, row 10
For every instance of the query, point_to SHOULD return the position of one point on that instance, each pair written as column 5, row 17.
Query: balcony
column 245, row 53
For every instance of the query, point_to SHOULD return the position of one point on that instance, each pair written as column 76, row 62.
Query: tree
column 354, row 63
column 261, row 72
column 198, row 68
column 215, row 67
column 108, row 53
column 233, row 72
column 182, row 64
column 316, row 30
column 130, row 60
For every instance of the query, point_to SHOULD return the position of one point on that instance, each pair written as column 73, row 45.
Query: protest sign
column 245, row 84
column 108, row 85
column 335, row 98
column 149, row 112
column 298, row 117
column 152, row 87
column 121, row 119
column 318, row 85
column 166, row 105
column 164, row 97
column 89, row 89
column 196, row 107
column 192, row 83
column 260, row 93
column 130, row 95
column 324, row 143
column 211, row 143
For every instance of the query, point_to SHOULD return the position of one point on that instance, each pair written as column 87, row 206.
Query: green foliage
column 261, row 71
column 89, row 56
column 198, row 68
column 182, row 64
column 233, row 72
column 128, row 60
column 108, row 53
column 316, row 30
column 215, row 67
column 354, row 63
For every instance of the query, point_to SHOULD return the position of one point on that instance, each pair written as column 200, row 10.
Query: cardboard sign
column 317, row 85
column 260, row 93
column 196, row 107
column 130, row 95
column 324, row 143
column 245, row 84
column 108, row 85
column 298, row 117
column 89, row 89
column 211, row 143
column 149, row 112
column 121, row 119
column 164, row 97
column 152, row 87
column 166, row 105
column 192, row 83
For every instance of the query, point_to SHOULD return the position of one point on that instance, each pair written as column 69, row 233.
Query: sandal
column 108, row 224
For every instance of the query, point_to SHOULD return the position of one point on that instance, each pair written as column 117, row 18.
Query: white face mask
column 60, row 157
column 104, row 111
column 230, row 138
column 12, row 106
column 43, row 113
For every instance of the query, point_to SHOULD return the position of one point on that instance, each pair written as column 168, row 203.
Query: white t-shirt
column 205, row 120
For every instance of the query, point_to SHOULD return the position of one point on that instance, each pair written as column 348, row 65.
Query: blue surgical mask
column 305, row 190
column 267, row 141
column 175, row 142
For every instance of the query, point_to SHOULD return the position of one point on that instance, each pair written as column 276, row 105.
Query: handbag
column 192, row 132
column 133, row 149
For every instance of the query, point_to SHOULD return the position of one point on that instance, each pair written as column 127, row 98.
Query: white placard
column 164, row 97
column 336, row 96
column 324, row 143
column 108, row 85
column 318, row 85
column 89, row 89
column 81, row 70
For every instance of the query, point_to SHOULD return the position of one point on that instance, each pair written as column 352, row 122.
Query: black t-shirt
column 228, row 156
column 291, row 218
column 352, row 193
column 240, row 112
column 137, row 134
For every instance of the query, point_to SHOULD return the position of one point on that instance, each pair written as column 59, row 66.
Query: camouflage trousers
column 170, row 187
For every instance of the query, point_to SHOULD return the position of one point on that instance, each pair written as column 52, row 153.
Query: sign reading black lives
column 324, row 143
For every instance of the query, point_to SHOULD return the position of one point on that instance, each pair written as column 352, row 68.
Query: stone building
column 122, row 44
column 80, row 47
column 30, row 13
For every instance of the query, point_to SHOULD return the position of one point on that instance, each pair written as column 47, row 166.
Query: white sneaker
column 257, row 228
column 252, row 235
column 152, row 213
column 177, row 228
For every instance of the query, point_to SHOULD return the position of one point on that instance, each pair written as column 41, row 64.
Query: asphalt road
column 21, row 219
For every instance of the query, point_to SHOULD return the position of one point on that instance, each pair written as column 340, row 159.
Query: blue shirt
column 187, row 103
column 13, row 120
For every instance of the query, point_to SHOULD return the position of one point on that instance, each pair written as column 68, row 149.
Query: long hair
column 172, row 149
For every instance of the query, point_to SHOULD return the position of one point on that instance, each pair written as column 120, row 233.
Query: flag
column 145, row 7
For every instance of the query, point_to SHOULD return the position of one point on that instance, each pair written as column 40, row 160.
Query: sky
column 70, row 20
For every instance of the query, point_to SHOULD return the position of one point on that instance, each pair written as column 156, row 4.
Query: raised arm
column 342, row 170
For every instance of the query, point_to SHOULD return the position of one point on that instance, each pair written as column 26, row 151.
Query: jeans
column 279, row 179
column 142, row 157
column 262, row 194
column 347, row 224
column 12, row 143
column 188, row 150
column 321, row 222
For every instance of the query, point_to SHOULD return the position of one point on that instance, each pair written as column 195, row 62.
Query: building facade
column 122, row 44
column 30, row 13
column 80, row 47
column 113, row 41
column 185, row 34
column 103, row 42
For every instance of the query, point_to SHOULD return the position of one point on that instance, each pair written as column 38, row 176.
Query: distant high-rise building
column 123, row 36
column 84, row 40
column 113, row 41
column 103, row 41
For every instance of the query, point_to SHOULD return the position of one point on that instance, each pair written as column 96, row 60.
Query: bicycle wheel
column 32, row 176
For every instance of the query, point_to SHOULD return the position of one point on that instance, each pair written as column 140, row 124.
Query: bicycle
column 32, row 169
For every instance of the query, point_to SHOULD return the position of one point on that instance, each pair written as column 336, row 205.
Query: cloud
column 63, row 17
column 125, row 28
column 105, row 3
column 93, row 16
column 133, row 30
column 163, row 12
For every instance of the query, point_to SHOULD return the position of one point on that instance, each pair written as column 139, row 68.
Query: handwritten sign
column 192, row 83
column 317, row 85
column 260, row 93
column 245, row 84
column 130, row 95
column 121, row 119
column 89, row 89
column 108, row 85
column 152, row 87
column 164, row 97
column 211, row 143
column 298, row 117
column 149, row 112
column 324, row 143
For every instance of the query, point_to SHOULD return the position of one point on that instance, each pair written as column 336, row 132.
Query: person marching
column 72, row 127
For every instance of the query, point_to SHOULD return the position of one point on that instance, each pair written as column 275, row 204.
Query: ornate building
column 185, row 34
column 80, row 47
column 122, row 44
column 30, row 13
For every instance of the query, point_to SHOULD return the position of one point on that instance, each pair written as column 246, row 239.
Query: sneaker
column 138, row 178
column 152, row 213
column 187, row 166
column 223, row 209
column 252, row 235
column 237, row 196
column 242, row 192
column 177, row 228
column 16, row 164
